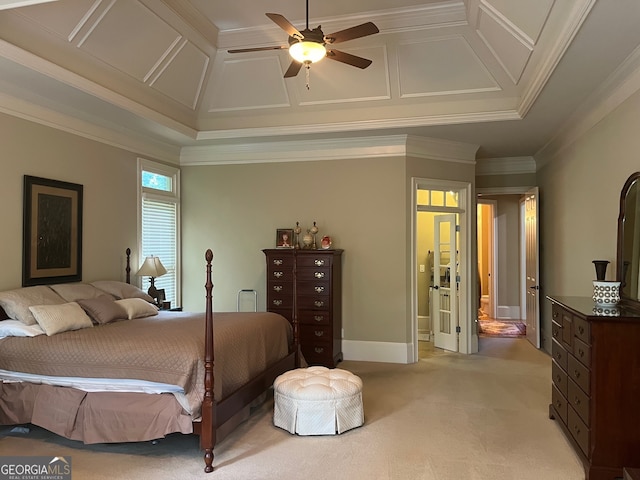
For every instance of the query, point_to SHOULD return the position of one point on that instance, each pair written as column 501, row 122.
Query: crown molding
column 330, row 149
column 621, row 84
column 505, row 166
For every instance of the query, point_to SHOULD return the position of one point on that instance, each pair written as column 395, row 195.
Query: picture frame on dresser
column 52, row 231
column 284, row 238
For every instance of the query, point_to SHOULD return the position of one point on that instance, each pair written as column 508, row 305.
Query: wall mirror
column 628, row 257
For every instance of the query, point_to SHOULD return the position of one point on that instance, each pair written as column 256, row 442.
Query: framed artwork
column 284, row 238
column 52, row 232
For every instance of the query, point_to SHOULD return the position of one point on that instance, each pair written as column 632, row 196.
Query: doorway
column 508, row 265
column 451, row 317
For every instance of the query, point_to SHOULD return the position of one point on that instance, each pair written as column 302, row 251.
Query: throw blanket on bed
column 167, row 348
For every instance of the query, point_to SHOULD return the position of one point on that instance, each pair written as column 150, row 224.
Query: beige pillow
column 121, row 290
column 103, row 309
column 137, row 307
column 60, row 318
column 16, row 302
column 72, row 292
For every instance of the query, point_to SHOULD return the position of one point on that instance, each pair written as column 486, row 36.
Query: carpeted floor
column 447, row 417
column 502, row 328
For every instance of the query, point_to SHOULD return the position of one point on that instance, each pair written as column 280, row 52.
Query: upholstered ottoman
column 318, row 401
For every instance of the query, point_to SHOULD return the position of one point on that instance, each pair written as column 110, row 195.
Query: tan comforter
column 167, row 348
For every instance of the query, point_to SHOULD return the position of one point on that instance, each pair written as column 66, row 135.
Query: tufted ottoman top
column 318, row 383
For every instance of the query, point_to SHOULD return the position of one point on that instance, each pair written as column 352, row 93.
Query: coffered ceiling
column 502, row 74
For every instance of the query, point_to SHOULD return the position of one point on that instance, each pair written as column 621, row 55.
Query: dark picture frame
column 284, row 238
column 52, row 232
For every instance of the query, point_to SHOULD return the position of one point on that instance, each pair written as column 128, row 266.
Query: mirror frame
column 625, row 299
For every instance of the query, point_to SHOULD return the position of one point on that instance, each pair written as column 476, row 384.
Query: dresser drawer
column 559, row 354
column 280, row 262
column 314, row 302
column 579, row 374
column 319, row 287
column 559, row 402
column 556, row 330
column 582, row 352
column 276, row 287
column 317, row 354
column 310, row 274
column 313, row 317
column 279, row 300
column 559, row 378
column 579, row 401
column 315, row 334
column 582, row 330
column 314, row 260
column 578, row 430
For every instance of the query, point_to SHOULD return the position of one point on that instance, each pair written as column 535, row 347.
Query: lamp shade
column 152, row 267
column 307, row 52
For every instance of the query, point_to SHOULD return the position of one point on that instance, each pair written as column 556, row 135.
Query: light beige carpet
column 447, row 417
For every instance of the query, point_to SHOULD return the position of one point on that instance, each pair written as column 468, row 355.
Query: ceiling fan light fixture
column 307, row 52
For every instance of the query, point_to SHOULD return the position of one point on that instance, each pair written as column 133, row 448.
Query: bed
column 137, row 375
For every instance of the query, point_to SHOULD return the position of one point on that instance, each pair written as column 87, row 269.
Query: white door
column 532, row 267
column 445, row 274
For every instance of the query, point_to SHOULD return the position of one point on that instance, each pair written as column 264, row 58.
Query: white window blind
column 159, row 229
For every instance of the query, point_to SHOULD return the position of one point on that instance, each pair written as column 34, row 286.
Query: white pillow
column 15, row 328
column 136, row 307
column 60, row 318
column 16, row 302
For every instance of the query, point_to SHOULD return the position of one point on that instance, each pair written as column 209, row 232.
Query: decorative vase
column 606, row 293
column 601, row 269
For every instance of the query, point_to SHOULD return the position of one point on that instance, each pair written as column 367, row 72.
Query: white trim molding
column 387, row 352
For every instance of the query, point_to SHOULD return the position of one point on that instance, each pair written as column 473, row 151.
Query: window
column 159, row 223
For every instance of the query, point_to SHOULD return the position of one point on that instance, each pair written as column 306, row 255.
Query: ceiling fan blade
column 256, row 49
column 285, row 24
column 351, row 33
column 293, row 69
column 349, row 59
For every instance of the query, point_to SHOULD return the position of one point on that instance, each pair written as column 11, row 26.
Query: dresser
column 595, row 396
column 306, row 286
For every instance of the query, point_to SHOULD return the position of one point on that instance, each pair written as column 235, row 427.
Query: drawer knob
column 319, row 289
column 555, row 315
column 581, row 353
column 278, row 274
column 558, row 403
column 318, row 318
column 277, row 261
column 319, row 303
column 318, row 274
column 577, row 401
column 558, row 379
column 319, row 333
column 558, row 355
column 277, row 303
column 576, row 374
column 318, row 262
column 319, row 349
column 277, row 288
column 581, row 329
column 576, row 429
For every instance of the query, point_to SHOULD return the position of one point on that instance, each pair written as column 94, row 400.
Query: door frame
column 468, row 339
column 493, row 260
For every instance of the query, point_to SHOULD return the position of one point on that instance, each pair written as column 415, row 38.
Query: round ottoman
column 318, row 401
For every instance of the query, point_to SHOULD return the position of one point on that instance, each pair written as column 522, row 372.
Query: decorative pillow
column 103, row 309
column 15, row 328
column 137, row 307
column 60, row 318
column 72, row 292
column 121, row 290
column 16, row 302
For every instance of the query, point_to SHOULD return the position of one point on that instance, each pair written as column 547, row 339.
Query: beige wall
column 235, row 210
column 579, row 202
column 109, row 178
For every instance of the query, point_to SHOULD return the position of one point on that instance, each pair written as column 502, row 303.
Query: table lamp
column 152, row 268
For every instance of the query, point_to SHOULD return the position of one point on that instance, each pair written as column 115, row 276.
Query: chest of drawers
column 595, row 396
column 305, row 286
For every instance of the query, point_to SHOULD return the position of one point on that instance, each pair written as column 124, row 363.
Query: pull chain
column 307, row 73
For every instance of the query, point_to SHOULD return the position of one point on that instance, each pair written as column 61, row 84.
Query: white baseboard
column 508, row 312
column 385, row 352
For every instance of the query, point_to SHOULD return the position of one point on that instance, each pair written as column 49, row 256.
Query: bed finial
column 208, row 255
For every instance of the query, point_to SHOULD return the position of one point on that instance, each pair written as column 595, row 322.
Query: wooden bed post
column 208, row 430
column 127, row 269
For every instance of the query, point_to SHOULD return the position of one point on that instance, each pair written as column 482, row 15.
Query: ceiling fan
column 310, row 46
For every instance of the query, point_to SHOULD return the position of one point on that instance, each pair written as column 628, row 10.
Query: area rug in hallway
column 500, row 328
